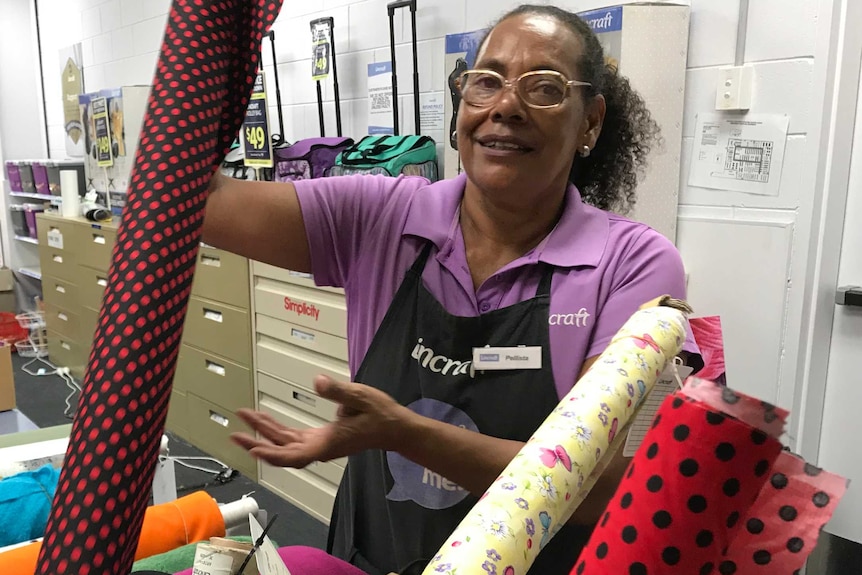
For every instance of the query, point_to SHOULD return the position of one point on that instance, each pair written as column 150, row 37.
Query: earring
column 585, row 151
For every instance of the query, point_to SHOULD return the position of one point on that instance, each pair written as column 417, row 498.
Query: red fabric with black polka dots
column 782, row 527
column 209, row 57
column 695, row 476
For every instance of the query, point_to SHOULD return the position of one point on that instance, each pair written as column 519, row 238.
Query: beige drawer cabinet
column 213, row 377
column 300, row 331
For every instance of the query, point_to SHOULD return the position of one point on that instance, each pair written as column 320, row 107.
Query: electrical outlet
column 735, row 88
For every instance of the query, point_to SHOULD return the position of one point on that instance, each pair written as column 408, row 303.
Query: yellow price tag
column 255, row 136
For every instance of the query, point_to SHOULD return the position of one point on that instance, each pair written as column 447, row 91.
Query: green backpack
column 389, row 156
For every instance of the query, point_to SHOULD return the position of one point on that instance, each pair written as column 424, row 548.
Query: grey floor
column 42, row 401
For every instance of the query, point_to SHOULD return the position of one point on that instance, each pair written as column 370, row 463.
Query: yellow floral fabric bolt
column 547, row 480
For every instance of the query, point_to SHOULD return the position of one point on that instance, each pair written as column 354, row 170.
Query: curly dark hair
column 608, row 177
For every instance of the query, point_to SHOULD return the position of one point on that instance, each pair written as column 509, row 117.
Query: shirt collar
column 578, row 239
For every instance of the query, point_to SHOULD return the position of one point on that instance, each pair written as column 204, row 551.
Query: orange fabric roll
column 195, row 517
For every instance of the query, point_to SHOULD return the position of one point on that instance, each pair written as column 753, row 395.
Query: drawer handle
column 60, row 289
column 213, row 315
column 220, row 419
column 215, row 368
column 99, row 239
column 102, row 281
column 303, row 335
column 211, row 261
column 57, row 259
column 63, row 316
column 65, row 346
column 306, row 399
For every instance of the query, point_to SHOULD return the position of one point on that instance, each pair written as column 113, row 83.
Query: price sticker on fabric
column 104, row 150
column 321, row 48
column 257, row 144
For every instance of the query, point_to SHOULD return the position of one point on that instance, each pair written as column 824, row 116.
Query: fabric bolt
column 177, row 559
column 698, row 471
column 194, row 517
column 708, row 335
column 25, row 501
column 209, row 57
column 365, row 232
column 781, row 529
column 540, row 489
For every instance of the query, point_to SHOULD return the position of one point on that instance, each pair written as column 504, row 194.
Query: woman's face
column 546, row 139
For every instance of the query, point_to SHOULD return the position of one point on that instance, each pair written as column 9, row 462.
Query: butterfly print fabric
column 552, row 474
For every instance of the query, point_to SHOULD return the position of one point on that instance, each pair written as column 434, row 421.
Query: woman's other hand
column 367, row 419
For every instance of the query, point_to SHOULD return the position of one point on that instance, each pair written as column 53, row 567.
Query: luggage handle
column 392, row 7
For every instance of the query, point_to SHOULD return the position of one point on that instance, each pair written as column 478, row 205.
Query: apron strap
column 419, row 265
column 544, row 287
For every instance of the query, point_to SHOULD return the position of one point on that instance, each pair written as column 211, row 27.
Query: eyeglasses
column 539, row 89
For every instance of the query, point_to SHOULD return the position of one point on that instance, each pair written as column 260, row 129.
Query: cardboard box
column 7, row 381
column 7, row 291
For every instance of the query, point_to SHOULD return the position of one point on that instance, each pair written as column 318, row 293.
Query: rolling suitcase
column 394, row 155
column 314, row 157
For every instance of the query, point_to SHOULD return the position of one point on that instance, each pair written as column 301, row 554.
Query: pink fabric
column 708, row 336
column 310, row 561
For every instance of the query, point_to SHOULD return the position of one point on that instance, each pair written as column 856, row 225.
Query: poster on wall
column 459, row 57
column 104, row 149
column 607, row 25
column 71, row 85
column 380, row 110
column 739, row 154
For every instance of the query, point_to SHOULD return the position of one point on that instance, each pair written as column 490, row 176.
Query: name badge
column 500, row 358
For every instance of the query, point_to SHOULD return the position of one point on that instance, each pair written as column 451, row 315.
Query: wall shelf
column 27, row 239
column 46, row 197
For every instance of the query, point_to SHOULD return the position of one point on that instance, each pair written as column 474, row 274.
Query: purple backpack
column 309, row 158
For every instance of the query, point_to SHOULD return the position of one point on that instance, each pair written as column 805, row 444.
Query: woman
column 508, row 254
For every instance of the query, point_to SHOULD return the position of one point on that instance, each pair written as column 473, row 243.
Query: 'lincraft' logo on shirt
column 580, row 319
column 428, row 359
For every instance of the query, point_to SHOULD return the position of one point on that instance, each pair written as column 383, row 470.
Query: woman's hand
column 367, row 419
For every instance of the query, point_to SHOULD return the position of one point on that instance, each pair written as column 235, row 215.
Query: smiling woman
column 521, row 257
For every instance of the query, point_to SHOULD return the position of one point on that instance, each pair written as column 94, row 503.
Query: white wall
column 22, row 129
column 747, row 255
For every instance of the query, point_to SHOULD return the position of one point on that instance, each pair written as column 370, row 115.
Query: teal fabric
column 25, row 501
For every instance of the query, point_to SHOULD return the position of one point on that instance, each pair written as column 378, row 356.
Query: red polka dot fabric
column 208, row 61
column 684, row 496
column 782, row 527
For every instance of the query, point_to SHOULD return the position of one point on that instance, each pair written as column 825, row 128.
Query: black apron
column 391, row 515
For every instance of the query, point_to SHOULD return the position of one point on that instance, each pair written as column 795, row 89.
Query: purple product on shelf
column 30, row 210
column 19, row 220
column 40, row 178
column 25, row 170
column 14, row 176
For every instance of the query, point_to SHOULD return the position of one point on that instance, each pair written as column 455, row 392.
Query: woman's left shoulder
column 627, row 237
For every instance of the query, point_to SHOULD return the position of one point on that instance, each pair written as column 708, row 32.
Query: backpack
column 308, row 158
column 389, row 156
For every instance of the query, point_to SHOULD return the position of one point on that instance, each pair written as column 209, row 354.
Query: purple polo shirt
column 364, row 233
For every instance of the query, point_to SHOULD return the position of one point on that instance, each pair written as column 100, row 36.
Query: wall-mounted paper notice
column 739, row 154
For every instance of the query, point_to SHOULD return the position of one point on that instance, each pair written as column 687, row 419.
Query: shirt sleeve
column 652, row 267
column 340, row 212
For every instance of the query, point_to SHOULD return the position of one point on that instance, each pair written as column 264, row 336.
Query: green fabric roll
column 179, row 559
